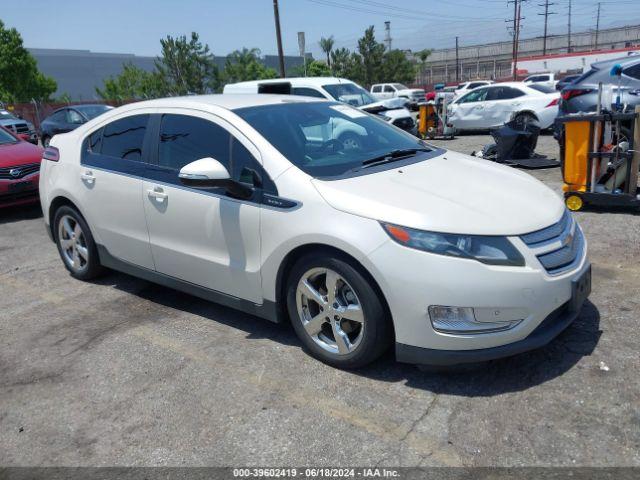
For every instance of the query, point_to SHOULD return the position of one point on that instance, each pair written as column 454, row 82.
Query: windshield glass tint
column 326, row 139
column 92, row 111
column 5, row 115
column 349, row 93
column 6, row 137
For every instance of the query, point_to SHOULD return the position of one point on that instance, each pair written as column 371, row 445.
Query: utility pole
column 276, row 15
column 517, row 8
column 597, row 27
column 387, row 37
column 569, row 30
column 457, row 63
column 546, row 14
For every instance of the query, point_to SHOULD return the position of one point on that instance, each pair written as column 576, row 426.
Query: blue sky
column 135, row 26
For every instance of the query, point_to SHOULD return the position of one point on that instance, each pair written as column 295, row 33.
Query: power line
column 546, row 17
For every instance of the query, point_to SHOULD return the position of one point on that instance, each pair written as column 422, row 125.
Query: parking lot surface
column 124, row 372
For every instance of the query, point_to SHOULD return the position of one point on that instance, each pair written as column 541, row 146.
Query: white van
column 332, row 88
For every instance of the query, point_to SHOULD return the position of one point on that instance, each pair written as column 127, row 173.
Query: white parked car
column 392, row 110
column 468, row 86
column 546, row 79
column 250, row 201
column 492, row 106
column 413, row 96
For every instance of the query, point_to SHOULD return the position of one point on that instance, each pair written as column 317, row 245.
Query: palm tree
column 326, row 44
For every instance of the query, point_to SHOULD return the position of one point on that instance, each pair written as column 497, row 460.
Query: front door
column 468, row 113
column 202, row 236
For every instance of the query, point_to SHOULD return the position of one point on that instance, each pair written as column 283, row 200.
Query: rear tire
column 75, row 244
column 336, row 312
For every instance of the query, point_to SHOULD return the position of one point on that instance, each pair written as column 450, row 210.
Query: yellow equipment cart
column 599, row 165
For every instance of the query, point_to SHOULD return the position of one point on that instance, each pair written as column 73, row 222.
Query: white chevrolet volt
column 252, row 202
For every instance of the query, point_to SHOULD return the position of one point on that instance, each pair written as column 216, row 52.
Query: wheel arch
column 55, row 204
column 320, row 248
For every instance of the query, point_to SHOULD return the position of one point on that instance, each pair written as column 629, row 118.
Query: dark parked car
column 68, row 118
column 582, row 94
column 566, row 81
column 20, row 127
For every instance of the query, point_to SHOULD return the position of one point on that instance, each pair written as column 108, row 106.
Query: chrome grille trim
column 559, row 247
column 25, row 170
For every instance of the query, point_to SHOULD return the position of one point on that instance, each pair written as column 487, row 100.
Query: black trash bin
column 515, row 140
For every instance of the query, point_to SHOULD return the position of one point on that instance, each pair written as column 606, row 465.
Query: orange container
column 577, row 142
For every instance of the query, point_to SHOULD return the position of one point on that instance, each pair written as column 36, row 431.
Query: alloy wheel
column 330, row 311
column 73, row 243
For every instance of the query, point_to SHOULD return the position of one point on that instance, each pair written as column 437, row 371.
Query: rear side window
column 306, row 92
column 185, row 139
column 388, row 88
column 59, row 116
column 633, row 71
column 124, row 138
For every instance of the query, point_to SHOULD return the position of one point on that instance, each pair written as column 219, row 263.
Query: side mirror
column 210, row 173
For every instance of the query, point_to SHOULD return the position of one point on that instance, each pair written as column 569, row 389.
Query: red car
column 19, row 170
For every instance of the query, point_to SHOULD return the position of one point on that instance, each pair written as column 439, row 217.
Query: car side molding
column 267, row 310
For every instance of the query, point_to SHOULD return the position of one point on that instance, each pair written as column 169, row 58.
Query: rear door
column 502, row 102
column 110, row 177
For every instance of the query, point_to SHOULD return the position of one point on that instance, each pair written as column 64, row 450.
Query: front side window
column 477, row 95
column 185, row 139
column 124, row 138
column 633, row 71
column 74, row 117
column 350, row 93
column 329, row 139
column 388, row 89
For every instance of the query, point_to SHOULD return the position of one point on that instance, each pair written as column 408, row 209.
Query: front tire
column 75, row 244
column 336, row 312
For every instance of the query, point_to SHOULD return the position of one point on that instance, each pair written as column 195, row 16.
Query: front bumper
column 412, row 281
column 549, row 329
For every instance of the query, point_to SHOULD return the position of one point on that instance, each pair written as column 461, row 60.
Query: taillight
column 571, row 93
column 51, row 153
column 553, row 103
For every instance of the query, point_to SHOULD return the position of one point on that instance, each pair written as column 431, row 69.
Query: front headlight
column 486, row 249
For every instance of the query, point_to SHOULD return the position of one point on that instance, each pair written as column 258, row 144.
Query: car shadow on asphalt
column 16, row 214
column 480, row 380
column 511, row 374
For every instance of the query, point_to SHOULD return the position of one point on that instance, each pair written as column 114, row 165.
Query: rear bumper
column 549, row 329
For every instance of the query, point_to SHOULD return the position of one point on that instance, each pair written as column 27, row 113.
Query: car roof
column 609, row 63
column 315, row 81
column 228, row 101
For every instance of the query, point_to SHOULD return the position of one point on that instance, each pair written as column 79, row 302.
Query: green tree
column 315, row 68
column 396, row 67
column 423, row 55
column 186, row 66
column 20, row 80
column 133, row 83
column 243, row 65
column 372, row 53
column 326, row 44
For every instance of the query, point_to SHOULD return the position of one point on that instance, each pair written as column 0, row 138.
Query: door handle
column 157, row 194
column 88, row 176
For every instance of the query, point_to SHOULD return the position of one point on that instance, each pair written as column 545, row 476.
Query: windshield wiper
column 392, row 156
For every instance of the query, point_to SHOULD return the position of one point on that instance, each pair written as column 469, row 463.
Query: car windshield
column 399, row 86
column 542, row 88
column 349, row 93
column 6, row 137
column 326, row 139
column 92, row 111
column 4, row 115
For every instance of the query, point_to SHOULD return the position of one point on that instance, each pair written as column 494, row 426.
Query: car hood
column 451, row 193
column 412, row 91
column 382, row 105
column 21, row 153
